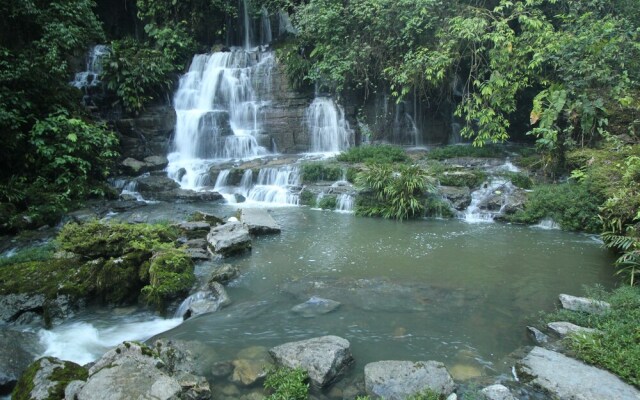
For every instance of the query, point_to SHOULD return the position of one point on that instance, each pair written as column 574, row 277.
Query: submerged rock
column 315, row 306
column 224, row 274
column 397, row 380
column 208, row 300
column 251, row 365
column 566, row 378
column 229, row 239
column 324, row 358
column 583, row 304
column 259, row 221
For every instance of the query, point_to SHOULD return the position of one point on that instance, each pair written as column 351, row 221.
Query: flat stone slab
column 397, row 380
column 315, row 306
column 229, row 239
column 583, row 304
column 567, row 328
column 570, row 379
column 324, row 358
column 259, row 221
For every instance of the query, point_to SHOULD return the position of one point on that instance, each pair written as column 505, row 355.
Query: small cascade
column 483, row 205
column 91, row 76
column 328, row 128
column 128, row 188
column 266, row 36
column 345, row 203
column 548, row 224
column 273, row 186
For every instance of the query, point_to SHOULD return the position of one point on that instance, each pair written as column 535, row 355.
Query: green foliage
column 618, row 347
column 519, row 179
column 307, row 198
column 373, row 154
column 170, row 275
column 436, row 206
column 442, row 153
column 471, row 178
column 572, row 205
column 318, row 171
column 37, row 253
column 73, row 155
column 287, row 384
column 328, row 202
column 396, row 192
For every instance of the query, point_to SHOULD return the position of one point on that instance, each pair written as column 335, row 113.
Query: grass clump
column 382, row 154
column 317, row 171
column 617, row 348
column 436, row 206
column 287, row 384
column 572, row 205
column 455, row 151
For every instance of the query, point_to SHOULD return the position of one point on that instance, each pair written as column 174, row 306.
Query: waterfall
column 327, row 126
column 91, row 76
column 345, row 203
column 274, row 184
column 218, row 113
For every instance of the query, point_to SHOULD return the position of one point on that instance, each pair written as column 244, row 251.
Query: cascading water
column 91, row 76
column 328, row 128
column 218, row 106
column 344, row 203
column 273, row 185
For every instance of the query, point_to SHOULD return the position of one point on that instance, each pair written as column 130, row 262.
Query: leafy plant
column 373, row 154
column 287, row 384
column 396, row 192
column 314, row 172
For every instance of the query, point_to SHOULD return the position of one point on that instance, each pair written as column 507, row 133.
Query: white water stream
column 328, row 127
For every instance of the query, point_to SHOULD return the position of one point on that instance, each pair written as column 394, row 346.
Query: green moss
column 287, row 384
column 61, row 376
column 328, row 202
column 170, row 275
column 319, row 171
column 36, row 253
column 471, row 178
column 307, row 198
column 383, row 154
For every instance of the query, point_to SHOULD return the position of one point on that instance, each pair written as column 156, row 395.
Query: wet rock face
column 47, row 378
column 583, row 304
column 18, row 351
column 566, row 378
column 324, row 358
column 228, row 239
column 397, row 380
column 148, row 134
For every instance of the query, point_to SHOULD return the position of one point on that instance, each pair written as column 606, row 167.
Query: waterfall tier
column 328, row 128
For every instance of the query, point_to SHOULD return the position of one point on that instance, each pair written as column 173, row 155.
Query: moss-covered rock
column 170, row 275
column 47, row 378
column 471, row 179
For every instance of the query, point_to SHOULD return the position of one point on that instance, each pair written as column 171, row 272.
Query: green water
column 439, row 290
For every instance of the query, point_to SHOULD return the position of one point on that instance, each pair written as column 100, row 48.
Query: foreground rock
column 19, row 350
column 228, row 239
column 397, row 380
column 224, row 274
column 459, row 197
column 47, row 378
column 584, row 304
column 563, row 329
column 324, row 358
column 134, row 371
column 497, row 392
column 259, row 221
column 566, row 378
column 34, row 309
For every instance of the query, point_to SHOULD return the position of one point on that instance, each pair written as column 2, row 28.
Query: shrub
column 471, row 179
column 519, row 179
column 396, row 193
column 314, row 172
column 442, row 153
column 572, row 205
column 382, row 154
column 307, row 198
column 287, row 384
column 328, row 203
column 435, row 206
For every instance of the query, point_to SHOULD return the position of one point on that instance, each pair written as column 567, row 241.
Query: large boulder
column 194, row 230
column 150, row 185
column 324, row 358
column 35, row 309
column 259, row 221
column 568, row 379
column 583, row 304
column 20, row 349
column 47, row 379
column 397, row 380
column 228, row 239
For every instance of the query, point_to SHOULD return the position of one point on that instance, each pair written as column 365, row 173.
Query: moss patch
column 60, row 377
